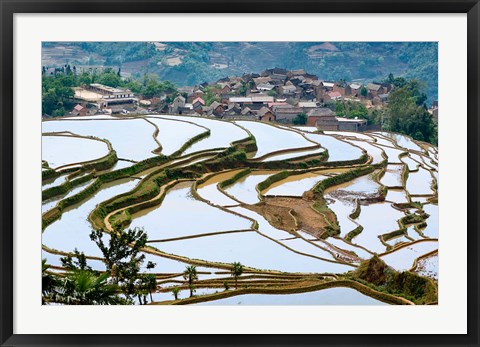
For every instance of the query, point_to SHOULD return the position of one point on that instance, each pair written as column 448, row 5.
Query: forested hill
column 189, row 63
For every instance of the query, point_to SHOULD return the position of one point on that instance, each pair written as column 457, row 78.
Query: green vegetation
column 190, row 275
column 234, row 178
column 376, row 273
column 357, row 211
column 123, row 261
column 300, row 119
column 83, row 286
column 353, row 233
column 366, row 61
column 406, row 112
column 237, row 271
column 57, row 92
column 175, row 291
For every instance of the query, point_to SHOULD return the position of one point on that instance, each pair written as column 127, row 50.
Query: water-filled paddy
column 221, row 133
column 332, row 296
column 341, row 244
column 337, row 150
column 412, row 164
column 396, row 195
column 432, row 221
column 130, row 138
column 173, row 134
column 271, row 139
column 72, row 230
column 180, row 214
column 252, row 250
column 403, row 258
column 54, row 182
column 63, row 150
column 381, row 140
column 392, row 176
column 209, row 190
column 244, row 189
column 376, row 219
column 296, row 154
column 360, row 136
column 49, row 204
column 296, row 185
column 402, row 141
column 420, row 182
column 428, row 266
column 393, row 154
column 373, row 151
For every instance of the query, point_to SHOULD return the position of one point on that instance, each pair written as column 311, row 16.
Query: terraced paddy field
column 313, row 218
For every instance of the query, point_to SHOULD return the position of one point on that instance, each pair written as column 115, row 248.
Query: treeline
column 57, row 92
column 406, row 111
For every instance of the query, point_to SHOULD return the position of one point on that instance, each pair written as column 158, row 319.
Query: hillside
column 188, row 63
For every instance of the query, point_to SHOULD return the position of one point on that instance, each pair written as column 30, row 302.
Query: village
column 275, row 95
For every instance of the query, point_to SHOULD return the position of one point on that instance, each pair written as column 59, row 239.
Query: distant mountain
column 189, row 63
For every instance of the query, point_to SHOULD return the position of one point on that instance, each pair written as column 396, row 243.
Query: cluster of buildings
column 279, row 95
column 96, row 97
column 275, row 95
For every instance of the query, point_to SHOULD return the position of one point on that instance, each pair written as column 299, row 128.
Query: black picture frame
column 8, row 8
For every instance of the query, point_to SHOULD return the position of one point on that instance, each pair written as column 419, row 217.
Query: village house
column 353, row 89
column 347, row 124
column 287, row 90
column 262, row 99
column 374, row 90
column 383, row 97
column 335, row 96
column 79, row 110
column 104, row 96
column 323, row 118
column 286, row 114
column 307, row 106
column 216, row 109
column 224, row 88
column 328, row 86
column 198, row 104
column 340, row 88
column 232, row 110
column 299, row 72
column 177, row 105
column 247, row 112
column 265, row 115
column 265, row 87
column 274, row 71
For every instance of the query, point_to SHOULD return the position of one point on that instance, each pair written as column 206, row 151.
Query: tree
column 175, row 291
column 300, row 119
column 237, row 271
column 147, row 284
column 70, row 263
column 364, row 92
column 190, row 274
column 49, row 282
column 123, row 258
column 404, row 114
column 81, row 287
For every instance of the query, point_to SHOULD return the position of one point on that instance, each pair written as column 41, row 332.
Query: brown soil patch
column 277, row 211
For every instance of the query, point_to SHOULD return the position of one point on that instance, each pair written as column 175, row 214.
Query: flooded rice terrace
column 302, row 211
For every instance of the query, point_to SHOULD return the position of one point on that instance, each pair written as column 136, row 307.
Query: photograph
column 239, row 173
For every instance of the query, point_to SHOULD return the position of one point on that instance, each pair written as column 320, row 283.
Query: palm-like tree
column 190, row 274
column 237, row 271
column 49, row 282
column 175, row 291
column 87, row 288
